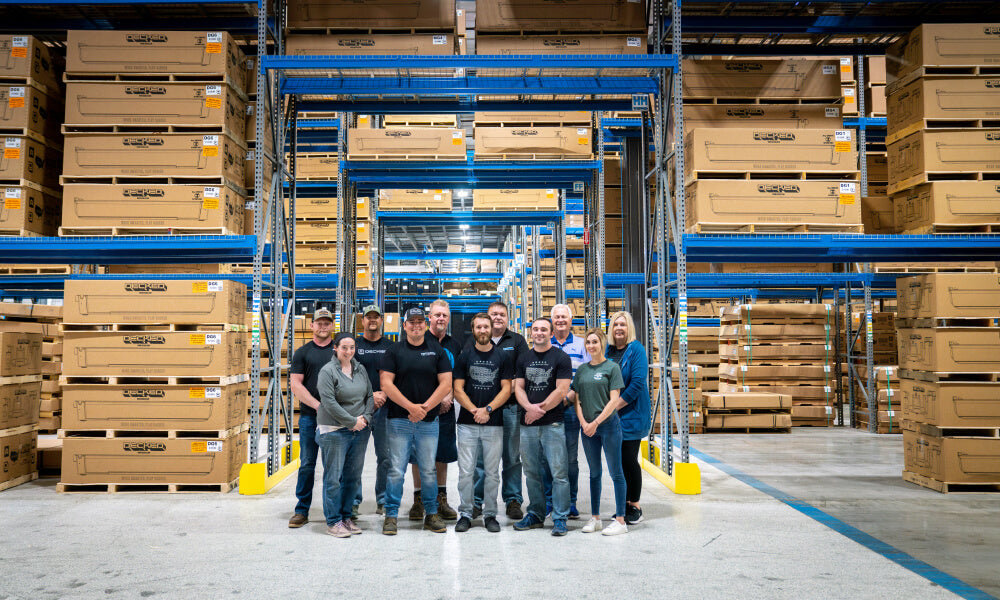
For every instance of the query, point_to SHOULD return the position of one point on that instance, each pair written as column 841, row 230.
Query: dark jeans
column 607, row 438
column 308, row 449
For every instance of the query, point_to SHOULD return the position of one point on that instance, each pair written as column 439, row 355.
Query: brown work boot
column 298, row 520
column 389, row 526
column 447, row 513
column 417, row 510
column 434, row 523
column 514, row 512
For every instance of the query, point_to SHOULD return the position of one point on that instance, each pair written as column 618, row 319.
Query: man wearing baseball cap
column 371, row 348
column 416, row 376
column 307, row 362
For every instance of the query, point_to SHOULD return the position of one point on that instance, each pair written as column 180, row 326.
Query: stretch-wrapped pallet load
column 943, row 129
column 949, row 368
column 155, row 385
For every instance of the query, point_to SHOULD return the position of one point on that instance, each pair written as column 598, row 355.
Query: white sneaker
column 593, row 525
column 615, row 528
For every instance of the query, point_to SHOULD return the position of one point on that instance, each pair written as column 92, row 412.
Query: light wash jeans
column 343, row 454
column 482, row 442
column 420, row 439
column 511, row 476
column 572, row 424
column 548, row 441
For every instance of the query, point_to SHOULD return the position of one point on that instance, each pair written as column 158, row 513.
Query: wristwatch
column 489, row 409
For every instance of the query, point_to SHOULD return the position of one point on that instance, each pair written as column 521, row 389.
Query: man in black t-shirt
column 416, row 376
column 544, row 374
column 371, row 348
column 482, row 376
column 304, row 375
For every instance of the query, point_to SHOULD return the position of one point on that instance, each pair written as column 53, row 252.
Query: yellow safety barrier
column 254, row 479
column 685, row 480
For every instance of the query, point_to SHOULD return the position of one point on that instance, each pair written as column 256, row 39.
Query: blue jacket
column 635, row 415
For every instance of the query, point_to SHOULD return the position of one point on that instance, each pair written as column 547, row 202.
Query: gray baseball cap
column 371, row 308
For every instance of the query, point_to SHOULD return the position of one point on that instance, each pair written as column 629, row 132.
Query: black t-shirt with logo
column 307, row 361
column 540, row 370
column 416, row 369
column 513, row 344
column 482, row 373
column 370, row 355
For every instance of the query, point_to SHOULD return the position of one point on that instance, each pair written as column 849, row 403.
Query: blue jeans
column 609, row 437
column 381, row 455
column 511, row 474
column 548, row 441
column 485, row 443
column 343, row 459
column 308, row 449
column 421, row 439
column 573, row 452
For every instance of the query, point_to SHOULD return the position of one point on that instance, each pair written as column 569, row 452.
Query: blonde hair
column 601, row 337
column 629, row 325
column 439, row 302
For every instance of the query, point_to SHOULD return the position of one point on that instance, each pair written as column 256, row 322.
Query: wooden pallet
column 813, row 422
column 116, row 231
column 933, row 269
column 153, row 327
column 947, row 123
column 941, row 71
column 789, row 228
column 931, row 176
column 500, row 124
column 237, row 86
column 20, row 233
column 532, row 156
column 221, row 380
column 946, row 228
column 16, row 182
column 151, row 180
column 928, row 322
column 28, row 133
column 403, row 157
column 6, row 485
column 757, row 100
column 7, row 79
column 334, row 30
column 16, row 379
column 780, row 175
column 940, row 376
column 146, row 488
column 149, row 129
column 171, row 434
column 36, row 270
column 936, row 431
column 390, row 121
column 19, row 430
column 951, row 488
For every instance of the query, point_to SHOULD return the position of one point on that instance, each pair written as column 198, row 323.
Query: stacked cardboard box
column 317, row 237
column 943, row 111
column 703, row 346
column 696, row 414
column 762, row 151
column 302, row 334
column 785, row 349
column 748, row 412
column 888, row 412
column 330, row 27
column 155, row 133
column 32, row 101
column 266, row 145
column 20, row 387
column 949, row 360
column 154, row 385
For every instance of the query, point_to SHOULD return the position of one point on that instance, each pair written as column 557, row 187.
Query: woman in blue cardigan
column 635, row 416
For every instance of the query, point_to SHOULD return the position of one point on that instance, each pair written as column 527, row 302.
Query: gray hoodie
column 343, row 399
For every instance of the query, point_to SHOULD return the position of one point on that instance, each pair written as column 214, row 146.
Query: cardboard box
column 942, row 150
column 208, row 105
column 24, row 57
column 208, row 269
column 846, row 69
column 765, row 421
column 372, row 14
column 770, row 150
column 755, row 201
column 811, row 413
column 250, row 127
column 21, row 345
column 878, row 166
column 312, row 208
column 154, row 354
column 153, row 460
column 955, row 44
column 952, row 460
column 504, row 45
column 925, row 98
column 571, row 142
column 154, row 301
column 764, row 78
column 155, row 407
column 515, row 199
column 782, row 116
column 363, row 279
column 17, row 455
column 945, row 295
column 29, row 108
column 174, row 52
column 736, row 400
column 316, row 166
column 947, row 203
column 30, row 210
column 877, row 215
column 30, row 160
column 875, row 70
column 428, row 142
column 950, row 349
column 563, row 15
column 154, row 155
column 372, row 44
column 951, row 404
column 152, row 205
column 773, row 268
column 849, row 97
column 19, row 404
column 326, row 231
column 316, row 254
column 414, row 199
column 875, row 101
column 581, row 117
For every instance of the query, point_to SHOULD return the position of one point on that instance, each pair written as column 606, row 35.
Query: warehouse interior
column 798, row 203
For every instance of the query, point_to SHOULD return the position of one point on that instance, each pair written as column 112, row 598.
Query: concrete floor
column 731, row 541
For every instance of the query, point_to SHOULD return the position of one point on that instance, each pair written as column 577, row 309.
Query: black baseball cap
column 415, row 313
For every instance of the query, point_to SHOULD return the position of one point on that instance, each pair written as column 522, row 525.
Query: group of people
column 429, row 401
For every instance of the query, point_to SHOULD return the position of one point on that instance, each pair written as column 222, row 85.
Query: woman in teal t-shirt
column 595, row 391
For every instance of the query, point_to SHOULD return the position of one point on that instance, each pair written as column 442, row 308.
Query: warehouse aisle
column 732, row 541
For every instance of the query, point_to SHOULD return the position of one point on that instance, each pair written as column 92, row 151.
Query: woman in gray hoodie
column 343, row 428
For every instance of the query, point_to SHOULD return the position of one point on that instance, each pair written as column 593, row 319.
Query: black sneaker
column 492, row 525
column 633, row 514
column 514, row 512
column 463, row 525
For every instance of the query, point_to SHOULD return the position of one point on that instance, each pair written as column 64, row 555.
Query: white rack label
column 213, row 339
column 212, row 192
column 12, row 192
column 214, row 90
column 845, row 61
column 17, row 92
column 632, row 41
column 828, row 347
column 581, row 131
column 12, row 143
column 439, row 40
column 743, row 368
column 842, row 135
column 829, row 70
column 213, row 392
column 827, row 389
column 829, row 410
column 209, row 140
column 848, row 188
column 214, row 446
column 826, row 368
column 250, row 205
column 833, row 113
column 215, row 285
column 19, row 41
column 214, row 37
